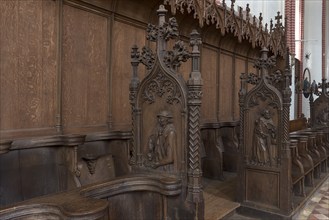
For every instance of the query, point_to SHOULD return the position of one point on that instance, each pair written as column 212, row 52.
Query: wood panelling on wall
column 84, row 69
column 67, row 64
column 124, row 37
column 27, row 65
column 209, row 61
column 225, row 87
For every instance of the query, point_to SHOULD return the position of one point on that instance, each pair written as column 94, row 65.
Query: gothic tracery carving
column 263, row 94
column 160, row 85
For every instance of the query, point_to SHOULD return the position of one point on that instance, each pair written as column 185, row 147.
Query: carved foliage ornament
column 179, row 54
column 169, row 30
column 159, row 86
column 250, row 78
column 275, row 77
column 147, row 58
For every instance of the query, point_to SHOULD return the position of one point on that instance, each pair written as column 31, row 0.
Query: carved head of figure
column 164, row 117
column 266, row 114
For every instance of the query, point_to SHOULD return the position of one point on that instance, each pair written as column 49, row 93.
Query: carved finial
column 195, row 41
column 254, row 20
column 134, row 55
column 278, row 20
column 265, row 62
column 248, row 13
column 232, row 5
column 260, row 18
column 161, row 13
column 240, row 13
column 271, row 26
column 135, row 59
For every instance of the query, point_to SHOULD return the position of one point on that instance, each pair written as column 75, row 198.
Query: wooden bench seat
column 304, row 158
column 297, row 170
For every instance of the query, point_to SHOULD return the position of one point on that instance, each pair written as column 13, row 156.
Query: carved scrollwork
column 179, row 54
column 160, row 85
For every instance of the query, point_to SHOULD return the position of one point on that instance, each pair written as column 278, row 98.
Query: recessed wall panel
column 209, row 77
column 84, row 69
column 28, row 65
column 225, row 87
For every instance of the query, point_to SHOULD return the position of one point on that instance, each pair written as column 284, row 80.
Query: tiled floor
column 318, row 206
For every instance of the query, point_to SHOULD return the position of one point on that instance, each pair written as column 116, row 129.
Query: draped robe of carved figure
column 264, row 149
column 162, row 144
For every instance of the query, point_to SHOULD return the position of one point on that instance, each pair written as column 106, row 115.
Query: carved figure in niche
column 264, row 139
column 162, row 143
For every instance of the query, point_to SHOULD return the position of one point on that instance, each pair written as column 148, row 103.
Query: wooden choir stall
column 115, row 122
column 282, row 162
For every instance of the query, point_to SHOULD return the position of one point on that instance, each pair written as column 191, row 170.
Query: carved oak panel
column 28, row 64
column 266, row 193
column 210, row 104
column 225, row 84
column 85, row 68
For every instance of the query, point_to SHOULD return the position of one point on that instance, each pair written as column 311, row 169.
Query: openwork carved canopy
column 240, row 23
